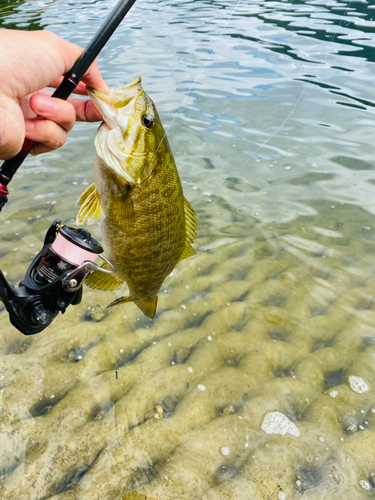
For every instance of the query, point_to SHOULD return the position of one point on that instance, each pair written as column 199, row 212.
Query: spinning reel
column 54, row 279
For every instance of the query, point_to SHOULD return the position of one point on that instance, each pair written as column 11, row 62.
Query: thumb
column 12, row 129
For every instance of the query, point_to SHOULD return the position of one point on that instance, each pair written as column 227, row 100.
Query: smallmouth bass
column 147, row 224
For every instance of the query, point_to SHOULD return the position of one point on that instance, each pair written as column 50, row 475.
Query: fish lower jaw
column 110, row 154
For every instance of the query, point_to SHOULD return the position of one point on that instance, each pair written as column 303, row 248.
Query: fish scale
column 147, row 224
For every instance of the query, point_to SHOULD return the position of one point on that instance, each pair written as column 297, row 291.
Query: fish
column 147, row 224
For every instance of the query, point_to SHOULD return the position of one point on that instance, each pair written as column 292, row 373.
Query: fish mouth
column 96, row 94
column 136, row 80
column 118, row 104
column 104, row 104
column 116, row 97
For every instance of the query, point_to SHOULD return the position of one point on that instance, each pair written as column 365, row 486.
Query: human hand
column 31, row 61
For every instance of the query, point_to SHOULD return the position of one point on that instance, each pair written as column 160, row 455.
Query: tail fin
column 148, row 307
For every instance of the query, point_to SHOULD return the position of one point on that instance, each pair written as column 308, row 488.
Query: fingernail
column 29, row 125
column 44, row 104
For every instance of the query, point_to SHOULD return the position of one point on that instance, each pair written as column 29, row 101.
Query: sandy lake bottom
column 256, row 379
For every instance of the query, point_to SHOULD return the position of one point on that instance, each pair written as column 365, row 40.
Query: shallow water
column 256, row 379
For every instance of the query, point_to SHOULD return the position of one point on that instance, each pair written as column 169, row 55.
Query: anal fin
column 90, row 206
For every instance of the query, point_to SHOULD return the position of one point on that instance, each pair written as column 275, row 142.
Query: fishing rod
column 67, row 86
column 55, row 277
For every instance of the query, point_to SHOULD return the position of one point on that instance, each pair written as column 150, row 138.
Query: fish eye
column 147, row 121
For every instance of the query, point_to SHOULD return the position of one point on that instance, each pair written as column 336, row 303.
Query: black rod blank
column 69, row 83
column 100, row 39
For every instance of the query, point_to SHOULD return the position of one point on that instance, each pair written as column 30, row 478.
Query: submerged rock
column 96, row 313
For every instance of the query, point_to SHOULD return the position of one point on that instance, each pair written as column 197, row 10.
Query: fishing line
column 190, row 90
column 204, row 67
column 71, row 208
column 199, row 74
column 296, row 104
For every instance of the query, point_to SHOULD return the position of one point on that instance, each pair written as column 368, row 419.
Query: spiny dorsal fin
column 190, row 222
column 104, row 281
column 191, row 228
column 90, row 206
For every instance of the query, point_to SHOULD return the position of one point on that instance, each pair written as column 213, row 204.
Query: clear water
column 256, row 380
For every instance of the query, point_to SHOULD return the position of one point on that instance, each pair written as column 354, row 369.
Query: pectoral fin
column 90, row 206
column 127, row 211
column 191, row 228
column 103, row 281
column 121, row 300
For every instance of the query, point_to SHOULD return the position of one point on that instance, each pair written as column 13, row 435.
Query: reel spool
column 54, row 279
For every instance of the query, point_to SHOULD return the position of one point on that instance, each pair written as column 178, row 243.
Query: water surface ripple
column 256, row 379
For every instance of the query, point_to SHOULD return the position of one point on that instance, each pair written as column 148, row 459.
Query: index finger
column 92, row 78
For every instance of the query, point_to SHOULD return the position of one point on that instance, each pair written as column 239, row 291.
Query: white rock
column 364, row 484
column 276, row 422
column 357, row 384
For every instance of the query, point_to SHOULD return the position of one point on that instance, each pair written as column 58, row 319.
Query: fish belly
column 144, row 229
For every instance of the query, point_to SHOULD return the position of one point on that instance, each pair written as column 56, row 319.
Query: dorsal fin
column 191, row 224
column 190, row 221
column 104, row 281
column 187, row 252
column 90, row 206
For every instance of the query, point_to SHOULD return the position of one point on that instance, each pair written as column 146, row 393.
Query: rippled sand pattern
column 256, row 380
column 247, row 327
